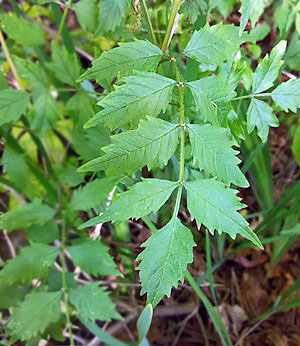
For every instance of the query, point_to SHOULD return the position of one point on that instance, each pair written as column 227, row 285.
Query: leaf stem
column 149, row 22
column 175, row 8
column 64, row 280
column 9, row 60
column 63, row 19
column 251, row 96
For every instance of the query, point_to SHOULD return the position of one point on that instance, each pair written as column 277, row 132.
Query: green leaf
column 215, row 206
column 92, row 194
column 141, row 199
column 26, row 215
column 293, row 53
column 93, row 303
column 251, row 10
column 145, row 94
column 86, row 13
column 22, row 31
column 18, row 171
column 164, row 260
column 212, row 96
column 144, row 322
column 287, row 95
column 13, row 104
column 212, row 45
column 68, row 175
column 45, row 110
column 260, row 115
column 211, row 147
column 11, row 295
column 32, row 262
column 35, row 314
column 34, row 74
column 296, row 145
column 81, row 108
column 152, row 144
column 111, row 13
column 44, row 234
column 64, row 65
column 193, row 9
column 267, row 71
column 137, row 55
column 92, row 257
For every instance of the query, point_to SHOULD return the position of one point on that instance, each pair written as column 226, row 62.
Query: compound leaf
column 215, row 206
column 212, row 152
column 13, row 104
column 287, row 95
column 32, row 262
column 92, row 257
column 22, row 31
column 92, row 194
column 260, row 115
column 138, row 55
column 141, row 199
column 212, row 96
column 251, row 10
column 145, row 94
column 212, row 45
column 35, row 314
column 164, row 260
column 267, row 71
column 93, row 303
column 153, row 143
column 26, row 215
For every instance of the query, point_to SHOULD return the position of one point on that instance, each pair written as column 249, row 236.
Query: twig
column 9, row 244
column 184, row 322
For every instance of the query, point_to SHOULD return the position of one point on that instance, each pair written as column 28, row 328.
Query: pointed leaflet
column 13, row 104
column 287, row 95
column 267, row 71
column 152, row 144
column 141, row 199
column 212, row 152
column 253, row 10
column 212, row 45
column 64, row 65
column 215, row 206
column 22, row 31
column 137, row 55
column 260, row 115
column 164, row 260
column 45, row 110
column 35, row 314
column 146, row 93
column 92, row 194
column 32, row 262
column 111, row 13
column 86, row 13
column 212, row 96
column 93, row 303
column 92, row 257
column 26, row 215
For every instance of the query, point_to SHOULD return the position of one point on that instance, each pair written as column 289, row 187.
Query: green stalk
column 64, row 281
column 251, row 96
column 149, row 22
column 209, row 267
column 63, row 19
column 175, row 8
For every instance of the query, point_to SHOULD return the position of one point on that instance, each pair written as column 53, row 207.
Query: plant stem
column 9, row 60
column 251, row 96
column 64, row 280
column 175, row 8
column 149, row 22
column 63, row 19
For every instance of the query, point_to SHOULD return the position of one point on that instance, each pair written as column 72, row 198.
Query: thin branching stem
column 174, row 11
column 149, row 22
column 251, row 96
column 64, row 280
column 63, row 19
